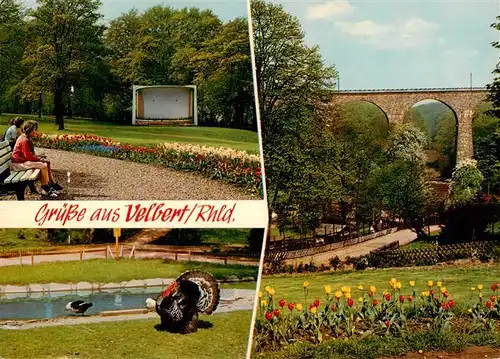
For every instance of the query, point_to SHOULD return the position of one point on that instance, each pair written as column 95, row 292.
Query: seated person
column 11, row 133
column 24, row 158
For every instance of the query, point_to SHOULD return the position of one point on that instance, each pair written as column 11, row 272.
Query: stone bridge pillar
column 465, row 143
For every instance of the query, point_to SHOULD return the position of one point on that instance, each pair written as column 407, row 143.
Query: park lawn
column 458, row 279
column 377, row 347
column 131, row 339
column 151, row 135
column 106, row 271
column 22, row 238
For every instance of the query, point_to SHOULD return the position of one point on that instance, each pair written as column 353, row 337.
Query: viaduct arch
column 395, row 103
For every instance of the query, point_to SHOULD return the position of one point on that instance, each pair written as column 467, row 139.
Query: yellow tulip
column 360, row 287
column 373, row 288
column 443, row 289
column 260, row 294
column 306, row 284
column 347, row 295
column 480, row 286
column 338, row 294
column 263, row 303
column 360, row 300
column 298, row 306
column 328, row 289
column 412, row 283
column 345, row 289
column 314, row 310
column 430, row 283
column 426, row 293
column 398, row 285
column 439, row 284
column 393, row 281
column 267, row 288
column 473, row 289
column 270, row 291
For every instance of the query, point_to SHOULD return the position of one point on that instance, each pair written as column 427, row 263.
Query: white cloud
column 329, row 9
column 414, row 33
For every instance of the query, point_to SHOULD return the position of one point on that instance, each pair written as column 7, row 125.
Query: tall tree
column 12, row 42
column 290, row 79
column 66, row 38
column 494, row 87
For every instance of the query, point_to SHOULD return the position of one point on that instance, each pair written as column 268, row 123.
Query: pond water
column 52, row 305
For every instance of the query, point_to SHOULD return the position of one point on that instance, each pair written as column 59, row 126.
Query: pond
column 25, row 306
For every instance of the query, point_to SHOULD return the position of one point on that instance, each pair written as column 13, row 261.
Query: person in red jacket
column 24, row 158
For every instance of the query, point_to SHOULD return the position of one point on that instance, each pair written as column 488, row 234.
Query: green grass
column 13, row 238
column 224, row 236
column 376, row 347
column 151, row 135
column 130, row 339
column 102, row 271
column 458, row 279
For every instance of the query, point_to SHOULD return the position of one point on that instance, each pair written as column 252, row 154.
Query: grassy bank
column 131, row 339
column 102, row 271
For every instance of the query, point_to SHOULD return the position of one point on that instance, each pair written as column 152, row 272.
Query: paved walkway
column 231, row 300
column 404, row 237
column 102, row 178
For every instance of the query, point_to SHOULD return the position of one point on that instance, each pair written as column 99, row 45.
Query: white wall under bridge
column 163, row 104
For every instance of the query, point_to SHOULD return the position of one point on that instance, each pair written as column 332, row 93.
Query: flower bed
column 237, row 167
column 362, row 312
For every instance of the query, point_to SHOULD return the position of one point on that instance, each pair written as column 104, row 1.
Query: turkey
column 193, row 293
column 78, row 306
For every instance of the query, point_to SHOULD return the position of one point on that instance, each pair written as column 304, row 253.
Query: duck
column 79, row 306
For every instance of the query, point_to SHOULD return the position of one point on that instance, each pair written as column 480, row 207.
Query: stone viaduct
column 395, row 103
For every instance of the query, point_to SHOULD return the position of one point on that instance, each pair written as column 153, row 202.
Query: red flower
column 410, row 298
column 432, row 292
column 387, row 296
column 370, row 293
column 493, row 298
column 489, row 304
column 387, row 323
column 451, row 303
column 402, row 298
column 291, row 306
column 316, row 303
column 350, row 302
column 495, row 286
column 269, row 315
column 282, row 303
column 446, row 294
column 375, row 302
column 276, row 312
column 333, row 308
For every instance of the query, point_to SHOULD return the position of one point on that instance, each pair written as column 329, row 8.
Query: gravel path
column 101, row 178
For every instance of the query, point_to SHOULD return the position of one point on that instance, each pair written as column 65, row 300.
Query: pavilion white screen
column 163, row 105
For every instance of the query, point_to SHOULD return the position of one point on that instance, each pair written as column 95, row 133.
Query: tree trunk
column 59, row 104
column 40, row 104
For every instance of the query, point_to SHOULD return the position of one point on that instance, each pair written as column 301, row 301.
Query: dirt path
column 404, row 237
column 26, row 260
column 148, row 235
column 101, row 178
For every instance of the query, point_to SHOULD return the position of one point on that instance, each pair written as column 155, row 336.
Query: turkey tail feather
column 209, row 288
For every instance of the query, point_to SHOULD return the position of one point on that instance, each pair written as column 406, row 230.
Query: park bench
column 14, row 181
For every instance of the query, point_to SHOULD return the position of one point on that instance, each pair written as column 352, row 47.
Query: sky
column 226, row 9
column 394, row 44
